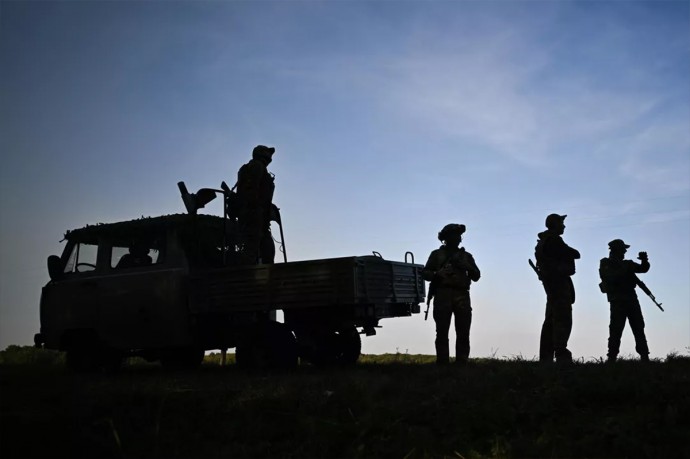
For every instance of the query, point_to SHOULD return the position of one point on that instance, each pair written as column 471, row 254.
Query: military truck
column 170, row 288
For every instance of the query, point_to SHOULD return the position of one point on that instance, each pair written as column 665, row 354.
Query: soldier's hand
column 445, row 271
column 643, row 256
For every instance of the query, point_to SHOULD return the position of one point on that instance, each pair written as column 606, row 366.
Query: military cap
column 554, row 219
column 262, row 151
column 618, row 244
column 450, row 229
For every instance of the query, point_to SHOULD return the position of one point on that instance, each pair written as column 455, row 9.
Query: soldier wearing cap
column 618, row 281
column 255, row 186
column 451, row 270
column 556, row 265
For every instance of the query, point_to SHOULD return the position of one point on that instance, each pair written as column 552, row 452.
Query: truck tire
column 268, row 345
column 187, row 358
column 340, row 347
column 81, row 358
column 86, row 353
column 350, row 346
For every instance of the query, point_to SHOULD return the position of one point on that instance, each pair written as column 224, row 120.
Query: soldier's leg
column 250, row 230
column 442, row 316
column 462, row 308
column 267, row 247
column 562, row 326
column 546, row 338
column 616, row 325
column 637, row 327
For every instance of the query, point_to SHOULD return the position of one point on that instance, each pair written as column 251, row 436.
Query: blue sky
column 390, row 119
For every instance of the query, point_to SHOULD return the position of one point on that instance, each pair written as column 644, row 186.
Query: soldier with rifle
column 555, row 267
column 451, row 270
column 618, row 281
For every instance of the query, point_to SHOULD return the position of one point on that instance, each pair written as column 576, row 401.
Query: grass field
column 385, row 406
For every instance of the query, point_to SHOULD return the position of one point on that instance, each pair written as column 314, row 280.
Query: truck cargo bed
column 365, row 280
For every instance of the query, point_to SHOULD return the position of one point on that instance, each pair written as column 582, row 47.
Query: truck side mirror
column 54, row 267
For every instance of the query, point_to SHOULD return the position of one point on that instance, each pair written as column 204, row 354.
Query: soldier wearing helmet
column 618, row 281
column 255, row 186
column 556, row 265
column 451, row 270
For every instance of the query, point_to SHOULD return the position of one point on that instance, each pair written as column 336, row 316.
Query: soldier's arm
column 641, row 267
column 431, row 266
column 472, row 269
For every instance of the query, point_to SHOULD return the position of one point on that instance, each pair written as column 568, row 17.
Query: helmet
column 451, row 228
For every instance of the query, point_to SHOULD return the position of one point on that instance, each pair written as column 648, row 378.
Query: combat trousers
column 449, row 302
column 255, row 235
column 620, row 311
column 558, row 321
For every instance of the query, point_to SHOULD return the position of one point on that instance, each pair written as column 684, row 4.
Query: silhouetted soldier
column 255, row 186
column 450, row 270
column 618, row 281
column 556, row 265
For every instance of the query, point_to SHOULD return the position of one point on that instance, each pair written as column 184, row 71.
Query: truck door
column 141, row 305
column 71, row 304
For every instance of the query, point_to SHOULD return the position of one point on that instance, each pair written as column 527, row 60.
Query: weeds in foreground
column 394, row 405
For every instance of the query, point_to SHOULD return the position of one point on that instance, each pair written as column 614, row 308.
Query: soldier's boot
column 440, row 360
column 442, row 352
column 611, row 359
column 564, row 356
column 644, row 357
column 461, row 361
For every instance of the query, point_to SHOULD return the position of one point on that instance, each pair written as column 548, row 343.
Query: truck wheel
column 86, row 353
column 182, row 359
column 341, row 347
column 350, row 346
column 81, row 358
column 268, row 345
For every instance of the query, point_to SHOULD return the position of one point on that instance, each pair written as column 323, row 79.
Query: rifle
column 534, row 267
column 432, row 293
column 645, row 289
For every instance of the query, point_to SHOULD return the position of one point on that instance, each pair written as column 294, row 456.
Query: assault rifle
column 432, row 293
column 645, row 289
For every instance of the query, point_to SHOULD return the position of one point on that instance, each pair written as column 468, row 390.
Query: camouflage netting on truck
column 185, row 224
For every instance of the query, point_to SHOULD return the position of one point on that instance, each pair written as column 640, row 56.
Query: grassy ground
column 386, row 406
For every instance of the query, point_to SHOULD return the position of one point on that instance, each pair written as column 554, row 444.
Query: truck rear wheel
column 268, row 345
column 182, row 359
column 341, row 347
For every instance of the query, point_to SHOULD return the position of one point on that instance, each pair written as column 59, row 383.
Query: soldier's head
column 618, row 247
column 555, row 222
column 451, row 234
column 263, row 154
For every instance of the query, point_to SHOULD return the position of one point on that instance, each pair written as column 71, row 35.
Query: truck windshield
column 82, row 258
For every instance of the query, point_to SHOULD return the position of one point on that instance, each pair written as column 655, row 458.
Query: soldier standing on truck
column 555, row 266
column 618, row 281
column 451, row 270
column 255, row 186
